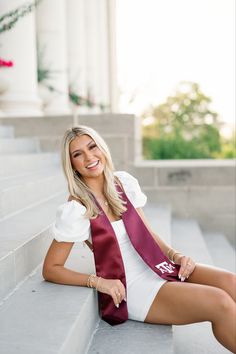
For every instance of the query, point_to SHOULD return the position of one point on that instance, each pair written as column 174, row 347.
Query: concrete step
column 188, row 238
column 195, row 338
column 42, row 317
column 159, row 217
column 56, row 318
column 20, row 192
column 6, row 131
column 222, row 252
column 16, row 164
column 19, row 145
column 24, row 239
column 131, row 337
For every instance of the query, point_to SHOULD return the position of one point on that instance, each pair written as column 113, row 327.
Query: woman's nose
column 88, row 155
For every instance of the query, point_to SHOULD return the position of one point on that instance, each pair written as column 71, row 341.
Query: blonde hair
column 77, row 187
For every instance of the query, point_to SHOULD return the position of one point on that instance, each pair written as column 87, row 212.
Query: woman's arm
column 187, row 265
column 55, row 272
column 53, row 267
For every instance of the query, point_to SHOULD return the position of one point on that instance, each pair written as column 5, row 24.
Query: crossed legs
column 208, row 295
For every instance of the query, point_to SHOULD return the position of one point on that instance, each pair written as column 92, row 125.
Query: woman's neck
column 96, row 185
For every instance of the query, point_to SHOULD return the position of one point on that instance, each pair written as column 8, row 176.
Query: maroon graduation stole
column 108, row 260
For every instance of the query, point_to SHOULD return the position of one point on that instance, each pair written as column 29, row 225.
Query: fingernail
column 179, row 275
column 182, row 278
column 117, row 305
column 125, row 299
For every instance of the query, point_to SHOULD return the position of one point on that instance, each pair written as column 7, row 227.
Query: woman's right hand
column 112, row 287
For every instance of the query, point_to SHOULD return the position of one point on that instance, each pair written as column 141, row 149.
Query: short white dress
column 142, row 283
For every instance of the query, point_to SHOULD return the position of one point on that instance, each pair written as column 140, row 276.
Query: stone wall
column 117, row 129
column 200, row 189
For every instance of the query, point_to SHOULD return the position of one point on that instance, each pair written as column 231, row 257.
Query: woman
column 104, row 207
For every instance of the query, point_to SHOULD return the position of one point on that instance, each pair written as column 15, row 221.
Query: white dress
column 142, row 283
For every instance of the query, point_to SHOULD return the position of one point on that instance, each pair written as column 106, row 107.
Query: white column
column 101, row 51
column 113, row 86
column 92, row 40
column 18, row 44
column 51, row 37
column 90, row 53
column 103, row 54
column 77, row 54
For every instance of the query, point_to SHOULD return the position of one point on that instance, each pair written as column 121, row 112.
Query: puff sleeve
column 132, row 189
column 70, row 224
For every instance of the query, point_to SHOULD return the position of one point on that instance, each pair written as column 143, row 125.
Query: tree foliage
column 183, row 127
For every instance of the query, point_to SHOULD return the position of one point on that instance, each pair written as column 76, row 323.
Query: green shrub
column 184, row 127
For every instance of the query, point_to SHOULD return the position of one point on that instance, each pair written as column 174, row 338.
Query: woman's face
column 86, row 157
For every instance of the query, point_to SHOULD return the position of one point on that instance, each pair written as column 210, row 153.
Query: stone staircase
column 31, row 186
column 41, row 317
column 204, row 248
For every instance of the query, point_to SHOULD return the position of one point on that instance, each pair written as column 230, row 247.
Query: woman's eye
column 90, row 148
column 78, row 154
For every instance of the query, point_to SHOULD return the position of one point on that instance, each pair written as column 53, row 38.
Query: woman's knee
column 229, row 280
column 213, row 303
column 221, row 303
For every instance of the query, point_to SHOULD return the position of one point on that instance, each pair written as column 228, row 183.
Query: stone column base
column 19, row 105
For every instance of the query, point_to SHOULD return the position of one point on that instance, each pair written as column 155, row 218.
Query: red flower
column 4, row 63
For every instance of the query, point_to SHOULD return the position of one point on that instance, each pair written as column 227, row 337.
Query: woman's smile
column 93, row 165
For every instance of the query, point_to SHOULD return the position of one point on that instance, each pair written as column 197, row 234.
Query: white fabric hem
column 149, row 300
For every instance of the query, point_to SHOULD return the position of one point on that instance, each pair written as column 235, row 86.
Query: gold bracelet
column 175, row 255
column 170, row 253
column 90, row 279
column 170, row 249
column 97, row 283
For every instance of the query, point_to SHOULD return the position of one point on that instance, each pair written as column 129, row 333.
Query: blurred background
column 172, row 63
column 179, row 75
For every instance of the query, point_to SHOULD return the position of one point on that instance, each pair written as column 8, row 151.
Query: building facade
column 61, row 51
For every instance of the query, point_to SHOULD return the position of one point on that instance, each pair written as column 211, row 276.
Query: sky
column 163, row 42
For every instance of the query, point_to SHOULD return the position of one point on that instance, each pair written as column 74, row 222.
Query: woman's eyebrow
column 78, row 150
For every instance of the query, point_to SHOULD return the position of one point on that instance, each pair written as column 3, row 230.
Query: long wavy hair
column 77, row 187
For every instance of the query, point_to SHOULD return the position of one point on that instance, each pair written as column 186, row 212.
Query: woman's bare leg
column 184, row 303
column 213, row 276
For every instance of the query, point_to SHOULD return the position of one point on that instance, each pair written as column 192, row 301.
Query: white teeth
column 92, row 164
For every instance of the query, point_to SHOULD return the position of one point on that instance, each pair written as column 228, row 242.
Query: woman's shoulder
column 125, row 177
column 71, row 225
column 72, row 207
column 132, row 188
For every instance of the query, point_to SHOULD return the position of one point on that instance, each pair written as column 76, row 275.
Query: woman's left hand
column 187, row 266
